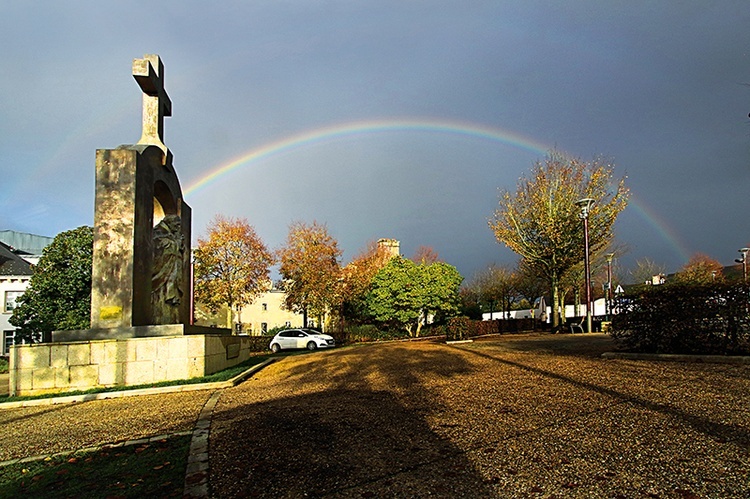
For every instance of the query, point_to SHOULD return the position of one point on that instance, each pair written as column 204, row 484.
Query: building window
column 263, row 327
column 288, row 324
column 10, row 300
column 265, row 307
column 7, row 341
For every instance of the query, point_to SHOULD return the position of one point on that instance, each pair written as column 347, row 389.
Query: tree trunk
column 555, row 303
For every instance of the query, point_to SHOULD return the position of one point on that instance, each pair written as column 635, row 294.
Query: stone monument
column 141, row 330
column 141, row 264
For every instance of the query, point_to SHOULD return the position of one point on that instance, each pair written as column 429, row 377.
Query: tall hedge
column 683, row 318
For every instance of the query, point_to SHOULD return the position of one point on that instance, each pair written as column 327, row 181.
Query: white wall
column 8, row 283
column 570, row 311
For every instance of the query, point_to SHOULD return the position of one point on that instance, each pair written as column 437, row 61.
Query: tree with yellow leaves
column 700, row 269
column 231, row 265
column 310, row 269
column 541, row 221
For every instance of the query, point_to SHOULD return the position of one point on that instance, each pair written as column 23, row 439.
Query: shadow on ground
column 364, row 435
column 343, row 443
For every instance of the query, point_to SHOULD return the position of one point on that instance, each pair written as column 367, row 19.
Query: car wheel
column 275, row 348
column 311, row 345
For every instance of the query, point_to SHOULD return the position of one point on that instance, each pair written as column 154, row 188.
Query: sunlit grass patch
column 156, row 469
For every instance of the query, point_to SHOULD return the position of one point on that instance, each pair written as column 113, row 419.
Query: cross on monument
column 149, row 73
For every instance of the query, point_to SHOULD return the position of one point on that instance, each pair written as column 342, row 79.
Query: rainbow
column 346, row 130
column 657, row 223
column 424, row 125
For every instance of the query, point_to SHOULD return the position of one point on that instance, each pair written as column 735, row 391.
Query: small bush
column 683, row 318
column 460, row 328
column 274, row 330
column 4, row 365
column 369, row 332
column 259, row 343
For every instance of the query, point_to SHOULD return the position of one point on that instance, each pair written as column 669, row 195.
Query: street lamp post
column 585, row 205
column 609, row 257
column 743, row 261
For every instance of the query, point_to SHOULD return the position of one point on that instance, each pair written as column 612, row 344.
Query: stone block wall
column 81, row 365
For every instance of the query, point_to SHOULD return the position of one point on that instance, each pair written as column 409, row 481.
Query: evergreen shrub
column 684, row 319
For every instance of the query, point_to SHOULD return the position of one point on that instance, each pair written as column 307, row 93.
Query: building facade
column 18, row 252
column 15, row 273
column 267, row 312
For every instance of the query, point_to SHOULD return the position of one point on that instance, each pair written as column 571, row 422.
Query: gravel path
column 516, row 416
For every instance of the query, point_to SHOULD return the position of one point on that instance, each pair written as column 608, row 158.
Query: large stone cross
column 149, row 73
column 141, row 261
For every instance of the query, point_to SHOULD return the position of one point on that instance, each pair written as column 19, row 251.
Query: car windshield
column 311, row 331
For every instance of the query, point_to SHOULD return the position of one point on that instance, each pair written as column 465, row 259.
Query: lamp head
column 585, row 205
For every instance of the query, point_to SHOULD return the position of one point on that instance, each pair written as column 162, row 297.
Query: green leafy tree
column 405, row 294
column 231, row 265
column 540, row 221
column 59, row 294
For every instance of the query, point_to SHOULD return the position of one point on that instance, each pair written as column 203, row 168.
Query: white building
column 15, row 273
column 18, row 252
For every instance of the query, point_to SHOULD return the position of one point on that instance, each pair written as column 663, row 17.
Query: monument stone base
column 130, row 359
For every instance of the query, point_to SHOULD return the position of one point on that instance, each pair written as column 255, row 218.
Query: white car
column 300, row 338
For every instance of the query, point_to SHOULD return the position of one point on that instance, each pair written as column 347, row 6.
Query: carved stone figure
column 166, row 283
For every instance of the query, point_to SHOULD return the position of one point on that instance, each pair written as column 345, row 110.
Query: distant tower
column 392, row 246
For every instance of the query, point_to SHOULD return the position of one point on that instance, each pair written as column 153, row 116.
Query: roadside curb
column 670, row 357
column 196, row 474
column 141, row 391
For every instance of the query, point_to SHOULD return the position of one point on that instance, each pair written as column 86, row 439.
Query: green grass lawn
column 156, row 469
column 224, row 375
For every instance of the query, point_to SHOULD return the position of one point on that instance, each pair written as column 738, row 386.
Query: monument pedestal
column 144, row 355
